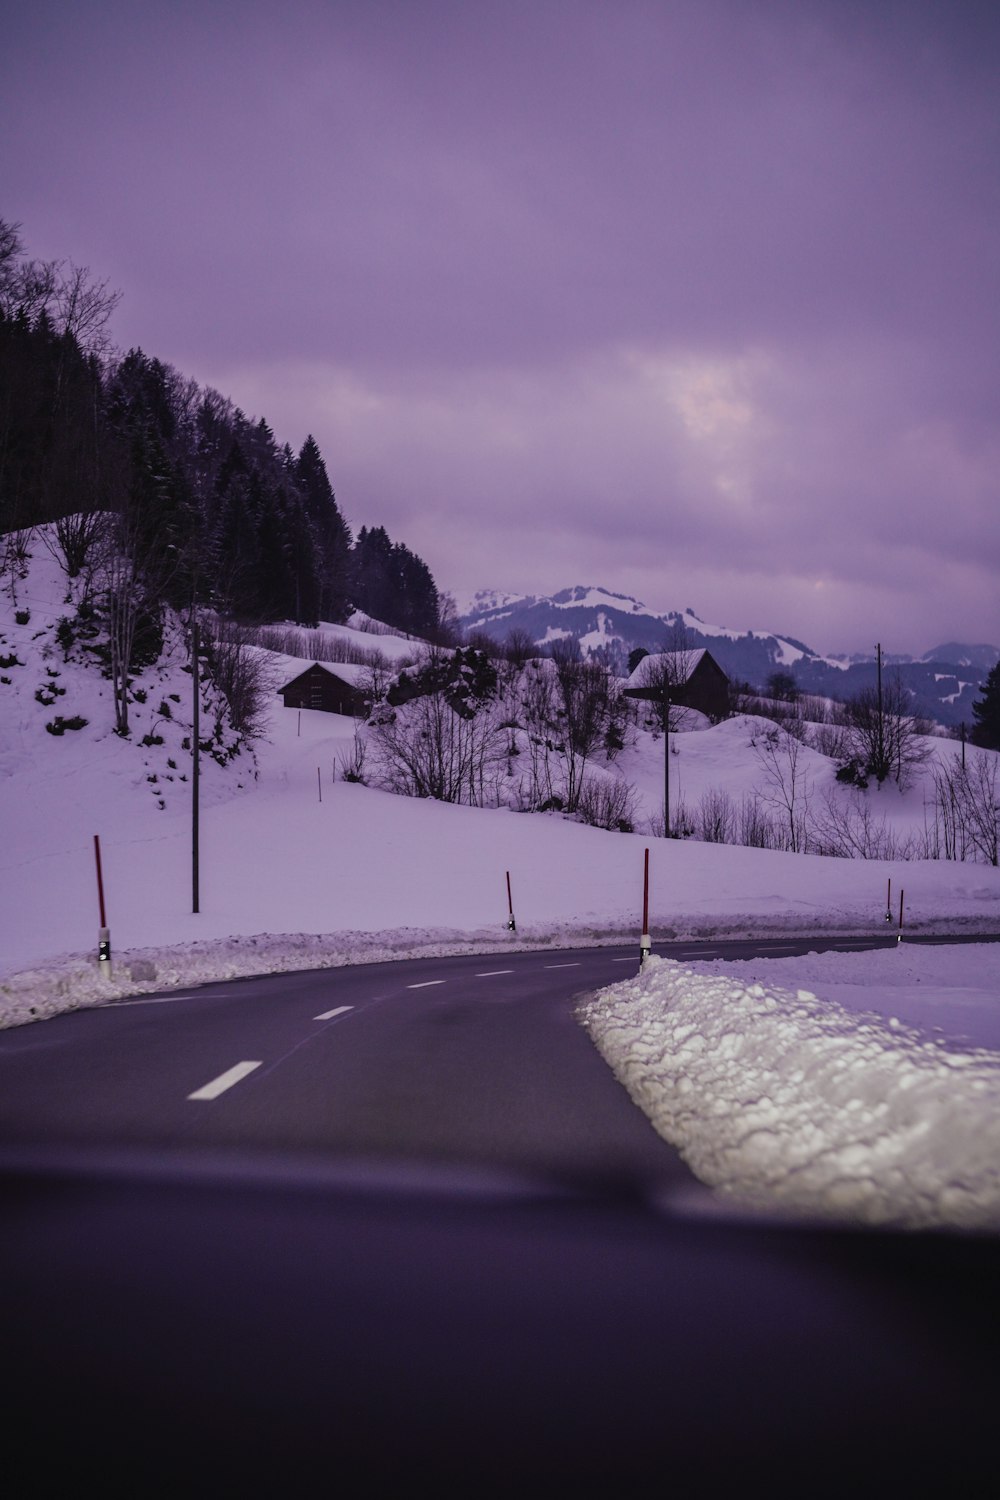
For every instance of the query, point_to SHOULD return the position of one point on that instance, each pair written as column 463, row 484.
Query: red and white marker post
column 645, row 945
column 104, row 933
column 511, row 924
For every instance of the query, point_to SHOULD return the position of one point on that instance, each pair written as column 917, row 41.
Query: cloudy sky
column 693, row 299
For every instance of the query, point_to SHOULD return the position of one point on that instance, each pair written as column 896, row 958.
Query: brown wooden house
column 690, row 679
column 322, row 688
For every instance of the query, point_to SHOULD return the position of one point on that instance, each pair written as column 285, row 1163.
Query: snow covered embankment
column 783, row 1102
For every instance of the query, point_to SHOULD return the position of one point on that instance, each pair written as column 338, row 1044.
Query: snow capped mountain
column 610, row 625
column 489, row 602
column 980, row 658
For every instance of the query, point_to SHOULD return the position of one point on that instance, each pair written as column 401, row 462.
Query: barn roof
column 679, row 665
column 346, row 673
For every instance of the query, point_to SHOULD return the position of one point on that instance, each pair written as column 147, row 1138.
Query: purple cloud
column 694, row 300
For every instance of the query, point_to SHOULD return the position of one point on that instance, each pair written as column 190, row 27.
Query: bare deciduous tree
column 967, row 809
column 716, row 818
column 586, row 706
column 849, row 828
column 786, row 788
column 662, row 676
column 885, row 735
column 436, row 731
column 74, row 302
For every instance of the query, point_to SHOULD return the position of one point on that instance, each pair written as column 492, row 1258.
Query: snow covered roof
column 674, row 666
column 351, row 673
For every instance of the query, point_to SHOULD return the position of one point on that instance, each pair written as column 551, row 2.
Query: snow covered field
column 862, row 1085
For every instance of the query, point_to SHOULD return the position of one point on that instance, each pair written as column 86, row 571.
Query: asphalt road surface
column 397, row 1226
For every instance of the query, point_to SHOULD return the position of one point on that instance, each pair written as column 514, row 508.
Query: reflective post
column 104, row 932
column 644, row 942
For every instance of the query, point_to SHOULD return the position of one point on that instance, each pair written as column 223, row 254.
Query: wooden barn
column 322, row 688
column 691, row 679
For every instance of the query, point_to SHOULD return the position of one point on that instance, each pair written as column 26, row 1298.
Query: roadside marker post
column 644, row 942
column 899, row 934
column 104, row 932
column 511, row 924
column 888, row 902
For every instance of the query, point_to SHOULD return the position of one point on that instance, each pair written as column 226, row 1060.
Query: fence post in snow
column 104, row 933
column 511, row 924
column 644, row 942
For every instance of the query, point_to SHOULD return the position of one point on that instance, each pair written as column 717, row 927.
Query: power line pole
column 666, row 761
column 195, row 755
column 880, row 722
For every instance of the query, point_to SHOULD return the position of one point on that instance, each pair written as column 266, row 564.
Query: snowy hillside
column 288, row 846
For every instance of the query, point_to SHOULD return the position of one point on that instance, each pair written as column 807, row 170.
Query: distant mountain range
column 608, row 626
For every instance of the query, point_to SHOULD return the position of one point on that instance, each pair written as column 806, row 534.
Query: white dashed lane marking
column 562, row 966
column 328, row 1015
column 489, row 973
column 424, row 984
column 224, row 1081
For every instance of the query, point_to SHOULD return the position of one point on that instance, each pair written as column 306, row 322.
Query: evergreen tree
column 234, row 534
column 416, row 593
column 986, row 712
column 392, row 584
column 331, row 532
column 305, row 580
column 372, row 584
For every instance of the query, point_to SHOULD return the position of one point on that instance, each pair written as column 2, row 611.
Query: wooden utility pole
column 195, row 756
column 880, row 722
column 666, row 761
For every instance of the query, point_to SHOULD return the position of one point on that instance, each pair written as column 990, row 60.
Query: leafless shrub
column 519, row 648
column 682, row 825
column 607, row 803
column 757, row 828
column 15, row 554
column 848, row 828
column 830, row 740
column 316, row 645
column 243, row 676
column 424, row 748
column 352, row 762
column 78, row 539
column 716, row 818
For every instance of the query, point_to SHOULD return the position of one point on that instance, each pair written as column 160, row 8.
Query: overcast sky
column 698, row 301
